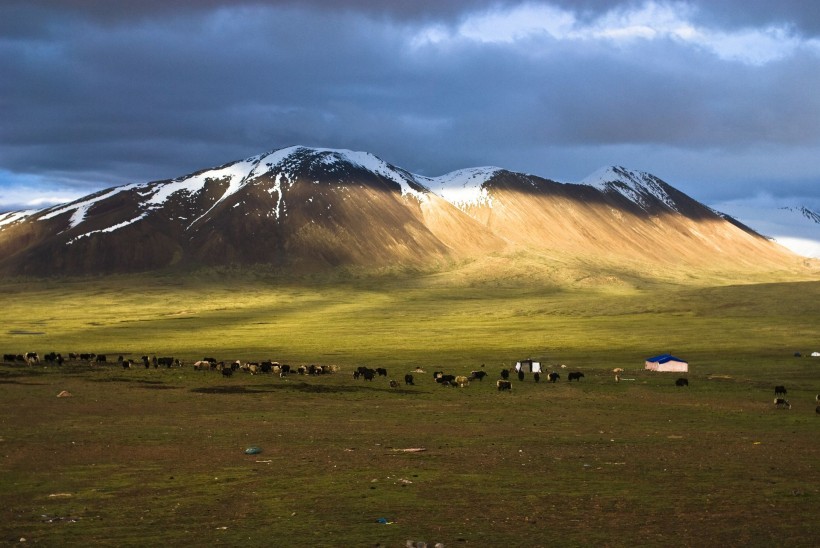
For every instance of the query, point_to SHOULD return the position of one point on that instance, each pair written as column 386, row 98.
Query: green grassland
column 156, row 457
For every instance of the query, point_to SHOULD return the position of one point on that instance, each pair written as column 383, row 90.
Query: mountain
column 796, row 228
column 307, row 209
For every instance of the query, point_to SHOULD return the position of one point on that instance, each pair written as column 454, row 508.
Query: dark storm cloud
column 804, row 15
column 108, row 12
column 114, row 92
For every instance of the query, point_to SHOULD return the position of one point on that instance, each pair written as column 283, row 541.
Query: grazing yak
column 446, row 380
column 394, row 384
column 200, row 364
column 682, row 382
column 575, row 376
column 521, row 375
column 462, row 381
column 780, row 390
column 364, row 372
column 505, row 374
column 408, row 379
column 554, row 377
column 54, row 357
column 478, row 375
column 503, row 384
column 782, row 403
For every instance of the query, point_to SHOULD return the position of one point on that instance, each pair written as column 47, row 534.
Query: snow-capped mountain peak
column 812, row 216
column 637, row 186
column 287, row 159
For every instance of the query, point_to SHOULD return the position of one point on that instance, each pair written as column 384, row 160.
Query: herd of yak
column 366, row 373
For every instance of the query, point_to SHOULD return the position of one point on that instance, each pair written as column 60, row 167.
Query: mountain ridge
column 313, row 208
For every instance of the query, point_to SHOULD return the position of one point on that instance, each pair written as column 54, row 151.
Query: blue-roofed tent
column 667, row 362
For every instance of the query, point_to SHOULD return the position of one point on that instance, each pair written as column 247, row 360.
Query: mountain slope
column 308, row 208
column 614, row 213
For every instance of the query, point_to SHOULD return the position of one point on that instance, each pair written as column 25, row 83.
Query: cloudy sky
column 720, row 99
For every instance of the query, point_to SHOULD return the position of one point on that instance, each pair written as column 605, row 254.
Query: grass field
column 156, row 457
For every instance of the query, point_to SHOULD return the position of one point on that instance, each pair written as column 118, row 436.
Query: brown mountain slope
column 574, row 219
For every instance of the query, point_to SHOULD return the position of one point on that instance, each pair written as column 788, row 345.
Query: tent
column 528, row 366
column 667, row 362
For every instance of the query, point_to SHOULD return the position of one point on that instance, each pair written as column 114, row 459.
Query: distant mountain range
column 794, row 227
column 309, row 209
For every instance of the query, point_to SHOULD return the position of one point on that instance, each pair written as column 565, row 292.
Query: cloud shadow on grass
column 296, row 387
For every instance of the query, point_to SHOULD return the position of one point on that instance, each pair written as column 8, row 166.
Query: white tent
column 667, row 362
column 528, row 366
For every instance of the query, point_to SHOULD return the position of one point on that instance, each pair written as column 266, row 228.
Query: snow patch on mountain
column 280, row 209
column 638, row 186
column 464, row 187
column 796, row 228
column 11, row 217
column 109, row 229
column 234, row 173
column 81, row 207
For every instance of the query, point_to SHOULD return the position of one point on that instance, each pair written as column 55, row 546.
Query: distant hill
column 794, row 227
column 308, row 209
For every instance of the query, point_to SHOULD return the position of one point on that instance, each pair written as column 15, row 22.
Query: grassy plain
column 156, row 457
